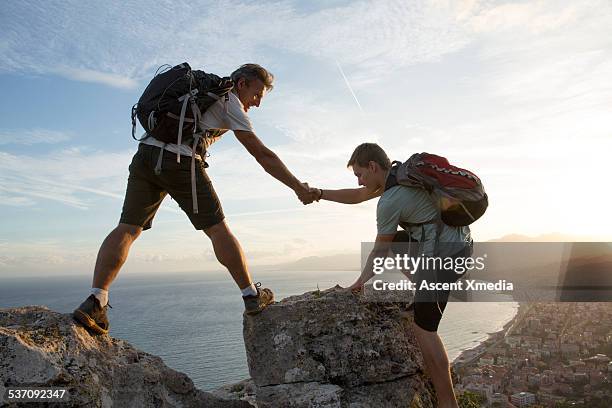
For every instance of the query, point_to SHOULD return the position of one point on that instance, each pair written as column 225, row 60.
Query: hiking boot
column 92, row 315
column 254, row 304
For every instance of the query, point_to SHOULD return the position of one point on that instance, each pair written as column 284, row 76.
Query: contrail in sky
column 349, row 85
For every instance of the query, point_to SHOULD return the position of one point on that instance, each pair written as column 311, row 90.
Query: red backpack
column 459, row 193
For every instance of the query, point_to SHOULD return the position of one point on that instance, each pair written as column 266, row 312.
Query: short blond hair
column 367, row 152
column 254, row 71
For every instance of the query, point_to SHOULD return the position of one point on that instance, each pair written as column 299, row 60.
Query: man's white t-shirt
column 218, row 119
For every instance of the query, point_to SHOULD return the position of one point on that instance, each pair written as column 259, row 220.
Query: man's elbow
column 364, row 194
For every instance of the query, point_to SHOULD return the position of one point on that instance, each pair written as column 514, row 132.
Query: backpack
column 173, row 103
column 458, row 192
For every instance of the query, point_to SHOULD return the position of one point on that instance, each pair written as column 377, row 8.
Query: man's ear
column 372, row 165
column 240, row 83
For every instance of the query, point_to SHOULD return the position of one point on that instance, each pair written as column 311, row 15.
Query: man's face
column 367, row 176
column 251, row 93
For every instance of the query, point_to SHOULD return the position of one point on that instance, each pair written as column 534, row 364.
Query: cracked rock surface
column 43, row 348
column 335, row 349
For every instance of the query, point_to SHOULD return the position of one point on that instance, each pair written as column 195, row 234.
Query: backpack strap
column 437, row 220
column 158, row 166
column 134, row 115
column 392, row 177
column 185, row 99
column 194, row 195
column 188, row 98
column 197, row 115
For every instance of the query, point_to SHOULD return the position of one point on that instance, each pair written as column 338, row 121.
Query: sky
column 517, row 91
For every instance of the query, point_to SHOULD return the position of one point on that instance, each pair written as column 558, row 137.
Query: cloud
column 31, row 137
column 515, row 91
column 543, row 53
column 537, row 17
column 90, row 75
column 64, row 37
column 8, row 199
column 70, row 176
column 60, row 176
column 377, row 37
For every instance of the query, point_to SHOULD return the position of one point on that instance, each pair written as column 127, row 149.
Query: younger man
column 406, row 205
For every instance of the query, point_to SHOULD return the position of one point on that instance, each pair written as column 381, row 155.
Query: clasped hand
column 308, row 194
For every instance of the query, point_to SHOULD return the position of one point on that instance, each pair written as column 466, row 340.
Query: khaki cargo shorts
column 146, row 190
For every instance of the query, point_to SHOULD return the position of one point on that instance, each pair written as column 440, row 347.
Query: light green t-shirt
column 402, row 204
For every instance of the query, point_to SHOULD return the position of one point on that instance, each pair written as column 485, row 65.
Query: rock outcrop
column 323, row 349
column 42, row 348
column 334, row 349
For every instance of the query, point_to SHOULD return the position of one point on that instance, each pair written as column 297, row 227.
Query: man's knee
column 127, row 231
column 428, row 340
column 219, row 229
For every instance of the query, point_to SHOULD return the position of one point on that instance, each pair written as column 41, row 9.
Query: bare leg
column 113, row 253
column 438, row 367
column 229, row 253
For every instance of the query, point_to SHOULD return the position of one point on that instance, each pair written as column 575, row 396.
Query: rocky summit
column 322, row 349
column 43, row 348
column 335, row 349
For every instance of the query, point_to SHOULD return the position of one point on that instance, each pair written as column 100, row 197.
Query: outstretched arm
column 347, row 195
column 273, row 165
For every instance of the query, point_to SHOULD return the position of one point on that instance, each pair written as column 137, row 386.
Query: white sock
column 101, row 295
column 249, row 290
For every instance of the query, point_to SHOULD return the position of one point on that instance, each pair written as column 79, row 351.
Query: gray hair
column 254, row 71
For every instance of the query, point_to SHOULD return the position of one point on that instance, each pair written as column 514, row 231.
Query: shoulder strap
column 392, row 178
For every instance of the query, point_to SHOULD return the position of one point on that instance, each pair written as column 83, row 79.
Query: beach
column 468, row 356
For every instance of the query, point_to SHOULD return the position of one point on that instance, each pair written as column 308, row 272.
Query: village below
column 550, row 355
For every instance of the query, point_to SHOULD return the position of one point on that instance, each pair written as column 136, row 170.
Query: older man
column 154, row 175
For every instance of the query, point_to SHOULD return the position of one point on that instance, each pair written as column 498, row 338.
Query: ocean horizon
column 193, row 321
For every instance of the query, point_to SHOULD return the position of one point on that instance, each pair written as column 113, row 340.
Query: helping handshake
column 308, row 194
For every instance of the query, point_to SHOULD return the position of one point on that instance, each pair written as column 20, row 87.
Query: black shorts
column 146, row 190
column 429, row 305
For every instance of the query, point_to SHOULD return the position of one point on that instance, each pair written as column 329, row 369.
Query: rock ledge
column 43, row 348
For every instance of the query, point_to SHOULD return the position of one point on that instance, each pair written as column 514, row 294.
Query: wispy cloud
column 537, row 17
column 515, row 90
column 546, row 52
column 63, row 37
column 90, row 75
column 30, row 137
column 66, row 176
column 9, row 199
column 26, row 192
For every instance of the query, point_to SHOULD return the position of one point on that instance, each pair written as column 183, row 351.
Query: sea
column 193, row 321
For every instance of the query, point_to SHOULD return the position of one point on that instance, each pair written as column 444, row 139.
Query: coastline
column 467, row 356
column 180, row 339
